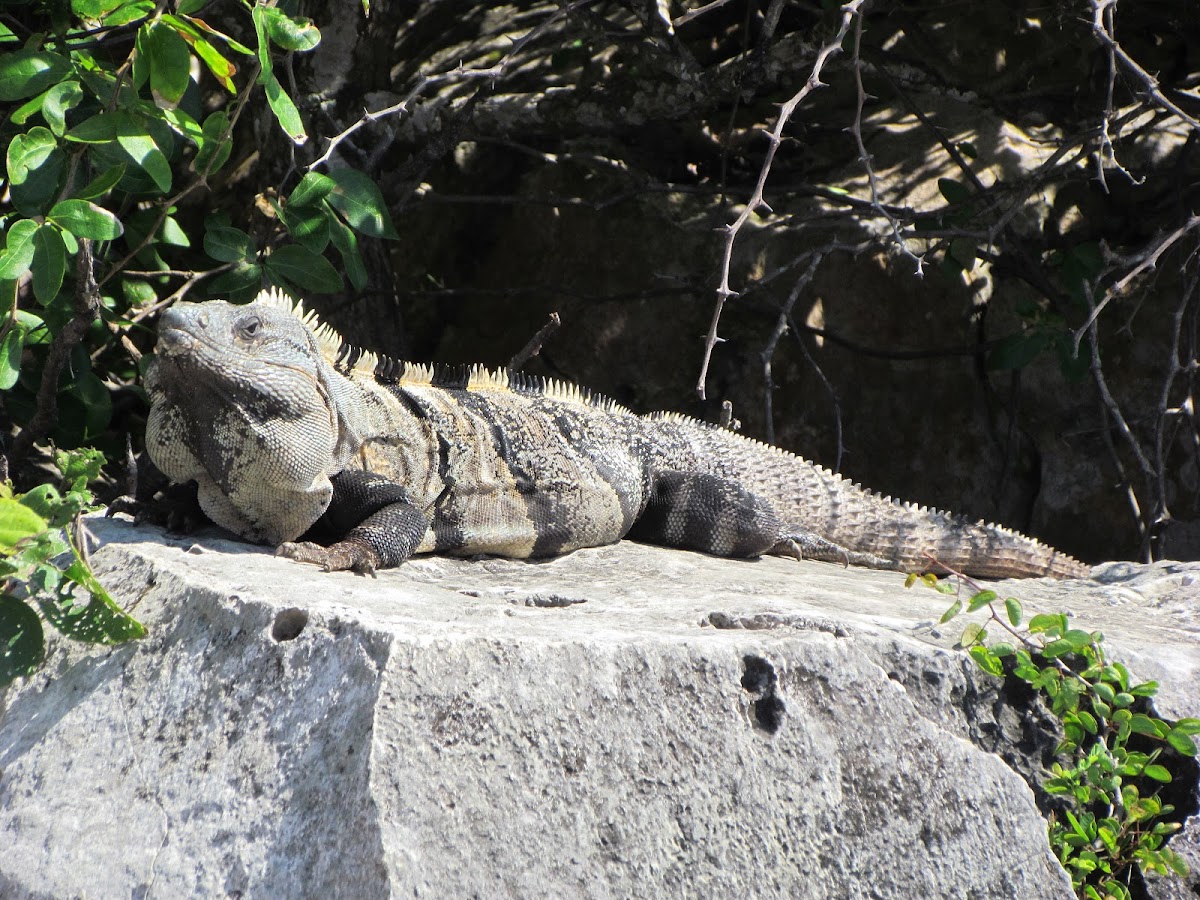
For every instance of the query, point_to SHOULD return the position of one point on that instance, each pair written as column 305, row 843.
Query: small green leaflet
column 358, row 199
column 86, row 220
column 18, row 250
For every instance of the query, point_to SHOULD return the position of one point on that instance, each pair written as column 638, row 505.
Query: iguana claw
column 342, row 556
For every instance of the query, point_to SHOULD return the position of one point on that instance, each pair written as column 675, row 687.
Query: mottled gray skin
column 289, row 433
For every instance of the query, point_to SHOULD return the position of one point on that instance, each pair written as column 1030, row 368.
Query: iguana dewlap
column 289, row 432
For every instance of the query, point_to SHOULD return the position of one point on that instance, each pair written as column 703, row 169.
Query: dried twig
column 1145, row 260
column 534, row 347
column 686, row 17
column 865, row 158
column 1101, row 28
column 756, row 202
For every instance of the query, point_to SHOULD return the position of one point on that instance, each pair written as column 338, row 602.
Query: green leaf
column 102, row 184
column 1145, row 689
column 26, row 72
column 312, row 188
column 986, row 661
column 143, row 150
column 1078, row 638
column 1143, row 724
column 358, row 199
column 244, row 279
column 221, row 68
column 954, row 191
column 35, row 167
column 304, row 268
column 101, row 621
column 228, row 244
column 17, row 522
column 1182, row 742
column 1158, row 773
column 172, row 234
column 19, row 250
column 291, row 33
column 97, row 403
column 1104, row 692
column 1188, row 726
column 130, row 11
column 201, row 25
column 94, row 9
column 170, row 63
column 963, row 252
column 49, row 263
column 98, row 129
column 59, row 99
column 283, row 107
column 1012, row 606
column 954, row 610
column 347, row 245
column 28, row 109
column 215, row 149
column 309, row 227
column 1018, row 350
column 1057, row 648
column 980, row 600
column 972, row 634
column 11, row 346
column 86, row 220
column 1050, row 623
column 22, row 644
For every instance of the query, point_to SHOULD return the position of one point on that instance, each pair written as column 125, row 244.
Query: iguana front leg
column 372, row 521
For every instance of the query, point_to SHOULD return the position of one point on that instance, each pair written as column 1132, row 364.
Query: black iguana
column 289, row 432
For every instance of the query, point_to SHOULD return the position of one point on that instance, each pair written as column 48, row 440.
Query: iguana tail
column 815, row 501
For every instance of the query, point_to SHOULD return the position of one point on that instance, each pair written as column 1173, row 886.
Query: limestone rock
column 624, row 721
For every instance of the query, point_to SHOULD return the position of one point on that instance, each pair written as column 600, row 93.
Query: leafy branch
column 1112, row 818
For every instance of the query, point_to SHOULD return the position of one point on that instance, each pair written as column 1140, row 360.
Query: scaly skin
column 289, row 432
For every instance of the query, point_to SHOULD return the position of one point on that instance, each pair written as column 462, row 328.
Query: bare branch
column 1100, row 16
column 534, row 347
column 1148, row 260
column 756, row 202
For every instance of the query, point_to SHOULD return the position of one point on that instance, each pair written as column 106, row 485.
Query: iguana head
column 245, row 403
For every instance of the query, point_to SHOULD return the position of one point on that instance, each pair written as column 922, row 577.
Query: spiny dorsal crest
column 350, row 360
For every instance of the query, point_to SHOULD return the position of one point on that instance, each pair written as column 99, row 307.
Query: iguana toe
column 343, row 556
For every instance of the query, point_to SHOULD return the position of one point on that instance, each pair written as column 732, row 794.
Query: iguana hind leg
column 806, row 545
column 372, row 522
column 708, row 513
column 717, row 515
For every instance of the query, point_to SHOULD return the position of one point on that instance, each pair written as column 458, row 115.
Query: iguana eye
column 250, row 326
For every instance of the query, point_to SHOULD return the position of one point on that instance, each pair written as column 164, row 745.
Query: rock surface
column 625, row 721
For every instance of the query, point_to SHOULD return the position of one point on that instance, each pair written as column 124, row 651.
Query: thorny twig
column 850, row 11
column 1101, row 23
column 1146, row 260
column 865, row 158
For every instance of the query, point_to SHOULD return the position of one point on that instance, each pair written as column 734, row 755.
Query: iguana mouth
column 174, row 341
